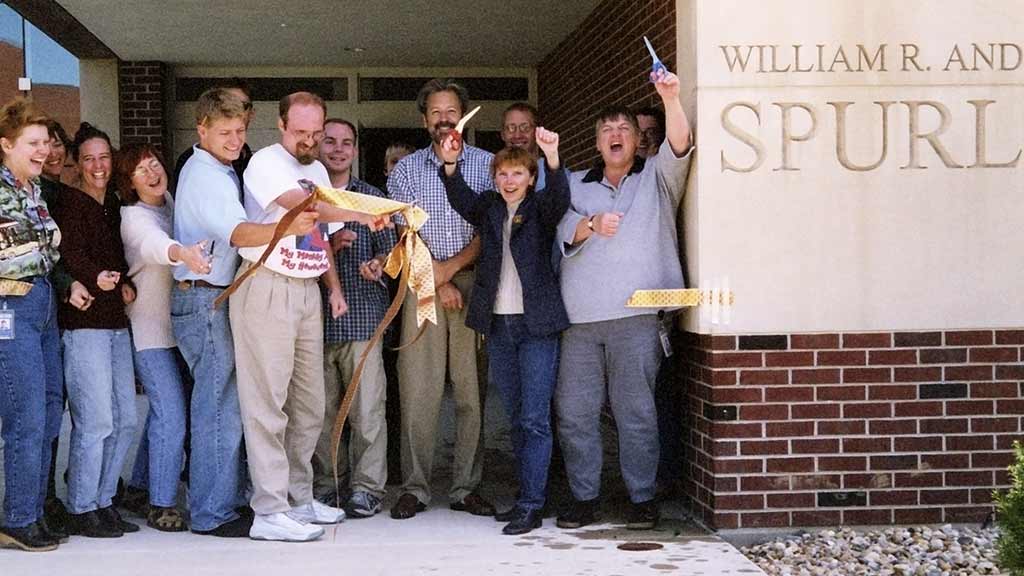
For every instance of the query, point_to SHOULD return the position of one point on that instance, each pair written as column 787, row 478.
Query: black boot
column 90, row 525
column 31, row 538
column 580, row 513
column 526, row 521
column 111, row 517
column 58, row 534
column 56, row 515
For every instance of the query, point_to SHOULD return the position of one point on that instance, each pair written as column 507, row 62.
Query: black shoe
column 508, row 515
column 54, row 533
column 237, row 528
column 31, row 538
column 56, row 515
column 526, row 521
column 113, row 519
column 136, row 501
column 643, row 516
column 90, row 525
column 579, row 514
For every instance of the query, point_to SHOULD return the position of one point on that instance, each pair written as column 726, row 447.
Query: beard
column 306, row 155
column 437, row 133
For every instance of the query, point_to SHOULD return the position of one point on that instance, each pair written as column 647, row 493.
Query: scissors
column 657, row 65
column 457, row 136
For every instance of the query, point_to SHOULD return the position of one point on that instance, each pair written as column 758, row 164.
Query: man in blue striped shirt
column 449, row 344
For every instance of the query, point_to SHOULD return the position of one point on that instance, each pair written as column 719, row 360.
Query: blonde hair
column 217, row 103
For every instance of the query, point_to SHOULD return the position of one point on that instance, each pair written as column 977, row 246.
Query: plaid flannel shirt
column 415, row 179
column 367, row 301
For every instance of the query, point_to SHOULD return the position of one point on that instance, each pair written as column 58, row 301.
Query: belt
column 14, row 287
column 189, row 284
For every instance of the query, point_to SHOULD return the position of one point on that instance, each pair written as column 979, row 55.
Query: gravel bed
column 897, row 551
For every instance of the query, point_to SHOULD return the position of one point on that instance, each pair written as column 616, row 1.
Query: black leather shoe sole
column 525, row 523
column 405, row 508
column 237, row 528
column 29, row 539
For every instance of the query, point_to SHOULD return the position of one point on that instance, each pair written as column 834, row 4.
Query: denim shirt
column 28, row 235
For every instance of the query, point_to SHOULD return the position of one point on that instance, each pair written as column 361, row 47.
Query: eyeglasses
column 303, row 135
column 152, row 167
column 514, row 128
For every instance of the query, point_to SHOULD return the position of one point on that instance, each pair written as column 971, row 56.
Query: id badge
column 6, row 324
column 664, row 331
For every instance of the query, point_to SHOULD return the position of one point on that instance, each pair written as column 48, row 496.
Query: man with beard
column 449, row 345
column 619, row 236
column 360, row 267
column 278, row 329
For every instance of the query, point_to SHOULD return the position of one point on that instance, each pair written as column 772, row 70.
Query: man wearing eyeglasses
column 277, row 323
column 518, row 128
column 239, row 88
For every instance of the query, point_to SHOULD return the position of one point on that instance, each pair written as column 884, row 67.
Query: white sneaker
column 317, row 513
column 281, row 526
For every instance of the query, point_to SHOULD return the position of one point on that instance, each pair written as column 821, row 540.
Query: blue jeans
column 31, row 401
column 101, row 394
column 162, row 449
column 216, row 468
column 524, row 369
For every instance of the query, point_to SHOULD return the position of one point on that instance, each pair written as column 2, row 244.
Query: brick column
column 851, row 428
column 603, row 62
column 142, row 88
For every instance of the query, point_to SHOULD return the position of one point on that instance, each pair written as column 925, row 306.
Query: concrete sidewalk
column 436, row 542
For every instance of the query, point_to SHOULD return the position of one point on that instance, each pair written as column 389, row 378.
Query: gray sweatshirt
column 601, row 273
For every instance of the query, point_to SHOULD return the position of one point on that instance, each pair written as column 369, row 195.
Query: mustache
column 444, row 124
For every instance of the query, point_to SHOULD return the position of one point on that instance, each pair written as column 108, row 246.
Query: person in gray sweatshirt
column 618, row 236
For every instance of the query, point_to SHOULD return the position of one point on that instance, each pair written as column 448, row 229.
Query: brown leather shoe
column 474, row 504
column 407, row 507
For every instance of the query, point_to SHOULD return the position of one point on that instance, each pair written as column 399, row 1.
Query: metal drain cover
column 639, row 546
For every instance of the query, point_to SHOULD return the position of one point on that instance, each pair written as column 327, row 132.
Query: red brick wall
column 142, row 87
column 876, row 428
column 603, row 62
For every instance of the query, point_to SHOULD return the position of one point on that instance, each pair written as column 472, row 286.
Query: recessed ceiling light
column 355, row 49
column 284, row 25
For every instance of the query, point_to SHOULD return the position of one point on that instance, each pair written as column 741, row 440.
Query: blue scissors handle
column 657, row 65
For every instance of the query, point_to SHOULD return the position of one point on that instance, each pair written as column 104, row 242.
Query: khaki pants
column 278, row 332
column 421, row 374
column 369, row 432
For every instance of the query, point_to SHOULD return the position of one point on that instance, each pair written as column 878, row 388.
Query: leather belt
column 189, row 284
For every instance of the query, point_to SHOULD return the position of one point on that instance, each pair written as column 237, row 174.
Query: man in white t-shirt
column 277, row 323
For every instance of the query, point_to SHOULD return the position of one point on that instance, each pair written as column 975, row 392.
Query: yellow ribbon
column 14, row 287
column 679, row 298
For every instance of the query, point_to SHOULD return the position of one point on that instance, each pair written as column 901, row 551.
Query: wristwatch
column 590, row 223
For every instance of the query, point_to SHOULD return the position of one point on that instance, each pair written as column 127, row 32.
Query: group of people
column 115, row 280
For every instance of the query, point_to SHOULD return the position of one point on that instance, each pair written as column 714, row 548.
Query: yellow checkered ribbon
column 14, row 287
column 410, row 249
column 680, row 298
